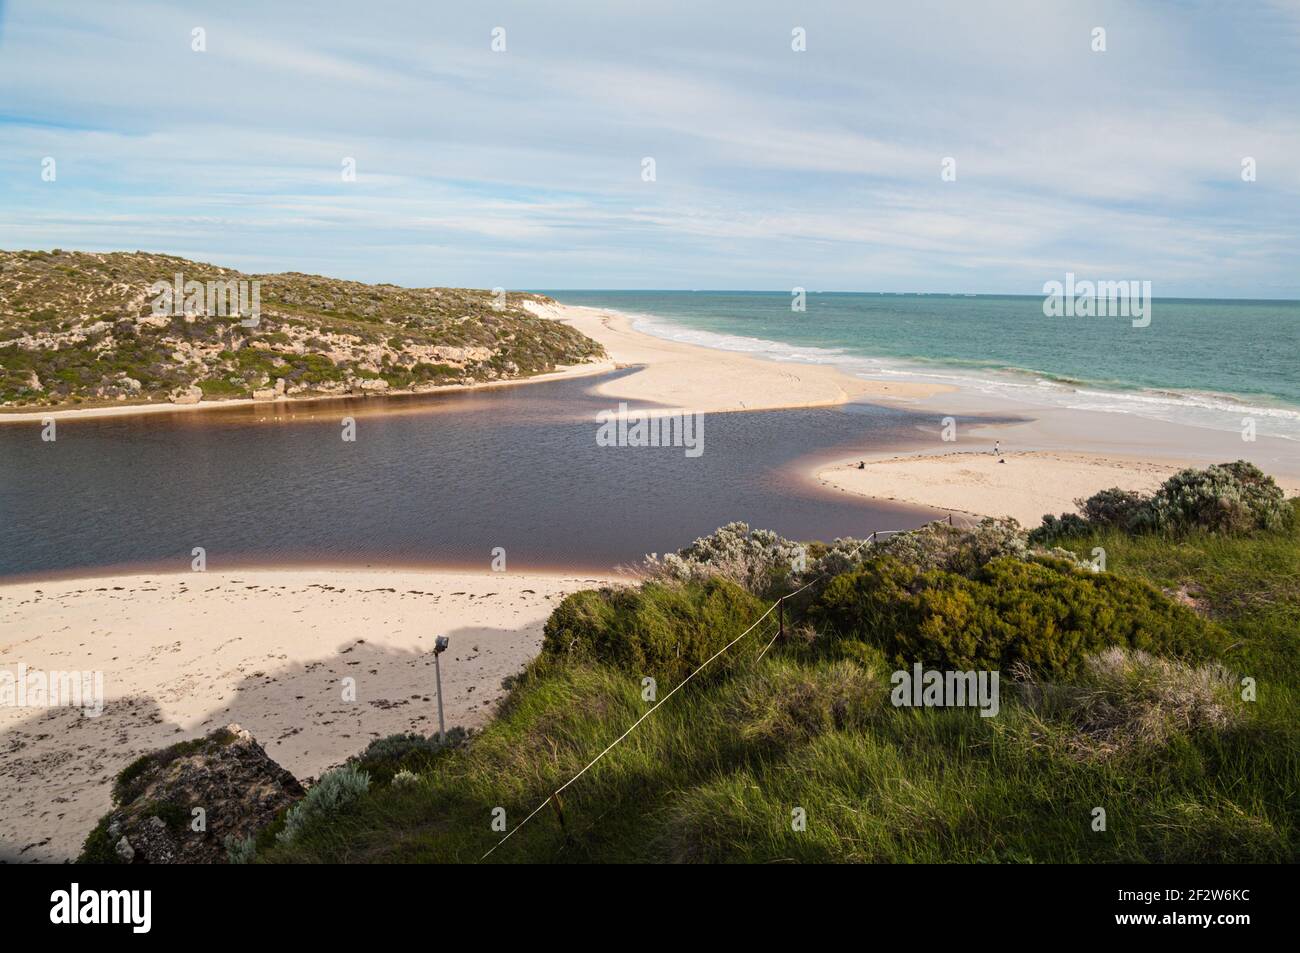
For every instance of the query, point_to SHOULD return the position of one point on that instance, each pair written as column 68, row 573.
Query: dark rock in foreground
column 180, row 804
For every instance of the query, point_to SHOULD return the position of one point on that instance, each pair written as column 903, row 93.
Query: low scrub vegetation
column 326, row 797
column 655, row 630
column 1128, row 701
column 1227, row 499
column 1044, row 614
column 78, row 328
column 1180, row 721
column 385, row 758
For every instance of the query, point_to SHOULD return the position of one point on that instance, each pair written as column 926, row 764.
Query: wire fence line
column 631, row 728
column 780, row 630
column 776, row 635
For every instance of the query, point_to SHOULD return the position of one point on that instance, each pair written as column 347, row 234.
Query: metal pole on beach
column 439, row 646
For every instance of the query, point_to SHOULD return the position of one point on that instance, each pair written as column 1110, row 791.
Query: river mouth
column 451, row 480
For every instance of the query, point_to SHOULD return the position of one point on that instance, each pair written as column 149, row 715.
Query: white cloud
column 768, row 161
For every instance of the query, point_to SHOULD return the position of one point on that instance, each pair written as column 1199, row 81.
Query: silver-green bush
column 240, row 851
column 335, row 789
column 753, row 559
column 1225, row 498
column 952, row 548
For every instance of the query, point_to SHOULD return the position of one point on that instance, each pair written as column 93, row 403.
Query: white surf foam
column 1214, row 411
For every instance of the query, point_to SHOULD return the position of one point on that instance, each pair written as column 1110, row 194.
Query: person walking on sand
column 997, row 448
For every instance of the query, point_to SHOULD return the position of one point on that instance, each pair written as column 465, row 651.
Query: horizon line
column 754, row 291
column 899, row 294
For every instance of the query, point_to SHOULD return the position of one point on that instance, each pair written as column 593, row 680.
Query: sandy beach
column 182, row 654
column 1053, row 456
column 1022, row 485
column 688, row 377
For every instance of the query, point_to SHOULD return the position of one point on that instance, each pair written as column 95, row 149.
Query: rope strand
column 674, row 690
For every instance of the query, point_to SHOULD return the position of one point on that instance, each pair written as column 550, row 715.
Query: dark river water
column 438, row 480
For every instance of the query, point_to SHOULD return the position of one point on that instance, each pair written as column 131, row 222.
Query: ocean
column 1208, row 363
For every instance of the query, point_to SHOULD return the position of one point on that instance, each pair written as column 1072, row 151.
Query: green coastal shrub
column 941, row 546
column 240, row 851
column 1055, row 529
column 664, row 631
column 1227, row 498
column 385, row 758
column 334, row 790
column 99, row 846
column 758, row 560
column 404, row 779
column 865, row 602
column 1043, row 614
column 767, row 564
column 843, row 554
column 936, row 545
column 1122, row 509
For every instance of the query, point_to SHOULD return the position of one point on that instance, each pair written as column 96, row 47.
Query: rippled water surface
column 440, row 482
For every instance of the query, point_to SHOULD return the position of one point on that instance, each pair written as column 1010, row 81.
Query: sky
column 774, row 168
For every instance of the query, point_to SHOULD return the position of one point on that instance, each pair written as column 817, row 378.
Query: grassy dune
column 1185, row 770
column 79, row 329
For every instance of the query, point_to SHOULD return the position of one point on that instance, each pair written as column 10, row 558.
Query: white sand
column 182, row 654
column 700, row 379
column 1027, row 486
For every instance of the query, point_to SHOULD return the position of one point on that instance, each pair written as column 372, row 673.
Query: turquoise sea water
column 1205, row 362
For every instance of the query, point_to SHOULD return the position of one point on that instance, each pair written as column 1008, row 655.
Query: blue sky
column 774, row 168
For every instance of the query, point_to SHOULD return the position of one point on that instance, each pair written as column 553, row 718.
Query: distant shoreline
column 697, row 378
column 1054, row 453
column 676, row 375
column 751, row 324
column 133, row 410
